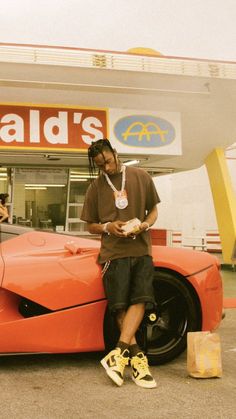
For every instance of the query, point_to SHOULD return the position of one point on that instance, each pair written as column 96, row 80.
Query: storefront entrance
column 49, row 199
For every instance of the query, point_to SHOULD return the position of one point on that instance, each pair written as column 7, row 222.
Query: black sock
column 134, row 350
column 122, row 345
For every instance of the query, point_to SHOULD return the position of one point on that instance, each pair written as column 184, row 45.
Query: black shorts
column 128, row 281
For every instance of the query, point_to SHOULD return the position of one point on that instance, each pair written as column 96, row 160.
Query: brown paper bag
column 204, row 355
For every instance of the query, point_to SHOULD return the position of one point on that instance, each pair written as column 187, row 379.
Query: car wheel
column 163, row 332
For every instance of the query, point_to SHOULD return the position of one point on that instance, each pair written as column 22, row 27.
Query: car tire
column 163, row 332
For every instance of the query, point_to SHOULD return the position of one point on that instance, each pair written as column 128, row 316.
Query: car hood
column 56, row 271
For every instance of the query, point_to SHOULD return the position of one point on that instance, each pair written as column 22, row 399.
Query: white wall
column 186, row 201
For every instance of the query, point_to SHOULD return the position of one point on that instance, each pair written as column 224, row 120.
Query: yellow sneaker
column 115, row 363
column 140, row 371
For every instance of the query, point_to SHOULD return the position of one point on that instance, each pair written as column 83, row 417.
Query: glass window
column 40, row 197
column 78, row 185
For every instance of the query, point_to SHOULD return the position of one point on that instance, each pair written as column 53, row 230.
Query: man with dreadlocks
column 116, row 196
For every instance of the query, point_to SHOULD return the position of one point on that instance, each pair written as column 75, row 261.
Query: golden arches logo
column 144, row 131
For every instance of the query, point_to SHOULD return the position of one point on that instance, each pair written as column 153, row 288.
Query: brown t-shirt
column 99, row 207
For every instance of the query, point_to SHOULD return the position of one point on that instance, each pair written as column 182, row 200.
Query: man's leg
column 129, row 322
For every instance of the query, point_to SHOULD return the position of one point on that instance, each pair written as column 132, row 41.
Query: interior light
column 81, row 175
column 131, row 162
column 32, row 188
column 44, row 185
column 76, row 176
column 79, row 179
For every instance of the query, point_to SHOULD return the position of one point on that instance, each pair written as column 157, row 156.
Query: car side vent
column 28, row 308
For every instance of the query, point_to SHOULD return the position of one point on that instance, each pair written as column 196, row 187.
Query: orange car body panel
column 201, row 270
column 74, row 330
column 38, row 266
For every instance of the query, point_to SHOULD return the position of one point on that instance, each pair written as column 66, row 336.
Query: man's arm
column 109, row 228
column 115, row 226
column 3, row 213
column 95, row 228
column 150, row 218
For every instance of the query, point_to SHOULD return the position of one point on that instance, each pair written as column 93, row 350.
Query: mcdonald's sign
column 138, row 132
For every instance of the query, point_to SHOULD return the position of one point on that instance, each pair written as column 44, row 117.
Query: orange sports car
column 52, row 298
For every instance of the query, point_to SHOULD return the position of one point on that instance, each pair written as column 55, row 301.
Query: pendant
column 121, row 200
column 121, row 203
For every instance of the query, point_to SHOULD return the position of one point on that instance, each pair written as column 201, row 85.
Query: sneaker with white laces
column 115, row 363
column 140, row 371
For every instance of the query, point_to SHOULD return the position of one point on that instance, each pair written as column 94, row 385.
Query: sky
column 180, row 28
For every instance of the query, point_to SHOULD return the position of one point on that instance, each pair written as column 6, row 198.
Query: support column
column 224, row 200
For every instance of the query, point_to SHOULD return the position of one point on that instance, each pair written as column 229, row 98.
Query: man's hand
column 144, row 226
column 115, row 228
column 139, row 229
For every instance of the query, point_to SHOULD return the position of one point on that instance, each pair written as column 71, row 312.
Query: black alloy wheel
column 163, row 332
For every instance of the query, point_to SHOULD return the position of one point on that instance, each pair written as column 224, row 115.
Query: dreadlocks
column 97, row 147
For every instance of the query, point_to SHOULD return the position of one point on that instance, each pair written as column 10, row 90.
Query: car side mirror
column 72, row 247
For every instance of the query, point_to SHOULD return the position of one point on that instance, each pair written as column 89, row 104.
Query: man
column 116, row 196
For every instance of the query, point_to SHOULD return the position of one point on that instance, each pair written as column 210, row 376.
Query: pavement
column 76, row 386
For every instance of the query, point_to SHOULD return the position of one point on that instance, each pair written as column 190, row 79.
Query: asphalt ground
column 76, row 386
